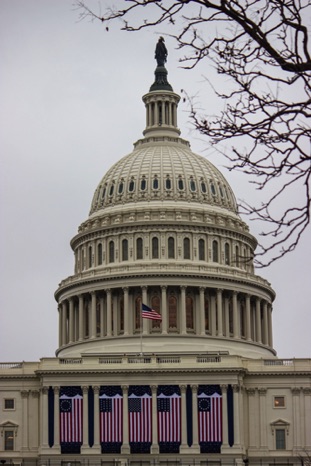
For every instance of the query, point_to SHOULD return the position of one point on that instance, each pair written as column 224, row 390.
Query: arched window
column 111, row 190
column 180, row 184
column 221, row 191
column 104, row 192
column 138, row 313
column 143, row 184
column 201, row 250
column 155, row 304
column 99, row 254
column 168, row 183
column 172, row 312
column 189, row 313
column 139, row 248
column 203, row 187
column 155, row 184
column 155, row 248
column 213, row 189
column 111, row 251
column 125, row 250
column 227, row 254
column 186, row 248
column 120, row 189
column 171, row 247
column 131, row 186
column 215, row 251
column 193, row 187
column 90, row 254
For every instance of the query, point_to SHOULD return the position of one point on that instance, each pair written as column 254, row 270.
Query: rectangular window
column 280, row 439
column 8, row 440
column 279, row 402
column 9, row 403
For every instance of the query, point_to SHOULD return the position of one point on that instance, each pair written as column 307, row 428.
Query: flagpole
column 141, row 330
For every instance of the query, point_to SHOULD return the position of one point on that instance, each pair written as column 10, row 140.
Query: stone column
column 219, row 313
column 56, row 417
column 252, row 414
column 156, row 114
column 93, row 315
column 236, row 332
column 96, row 418
column 195, row 422
column 296, row 419
column 170, row 113
column 183, row 446
column 202, row 330
column 125, row 449
column 144, row 300
column 164, row 309
column 81, row 320
column 102, row 317
column 175, row 114
column 44, row 417
column 307, row 423
column 126, row 310
column 85, row 430
column 154, row 446
column 258, row 321
column 265, row 336
column 263, row 419
column 25, row 417
column 108, row 313
column 60, row 326
column 115, row 315
column 225, row 443
column 236, row 415
column 248, row 317
column 227, row 327
column 64, row 323
column 71, row 320
column 34, row 409
column 213, row 315
column 183, row 324
column 270, row 326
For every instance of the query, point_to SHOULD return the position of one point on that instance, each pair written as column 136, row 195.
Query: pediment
column 8, row 425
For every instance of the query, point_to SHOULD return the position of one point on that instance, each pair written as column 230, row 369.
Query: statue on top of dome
column 161, row 52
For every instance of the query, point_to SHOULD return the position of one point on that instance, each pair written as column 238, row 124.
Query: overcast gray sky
column 70, row 106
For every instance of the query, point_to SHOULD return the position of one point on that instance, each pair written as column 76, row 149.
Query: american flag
column 70, row 407
column 210, row 417
column 148, row 313
column 111, row 414
column 169, row 413
column 140, row 416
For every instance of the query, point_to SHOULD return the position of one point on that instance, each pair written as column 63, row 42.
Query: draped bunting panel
column 140, row 418
column 71, row 419
column 210, row 418
column 169, row 418
column 111, row 418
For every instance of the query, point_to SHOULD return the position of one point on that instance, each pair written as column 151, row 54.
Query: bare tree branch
column 263, row 47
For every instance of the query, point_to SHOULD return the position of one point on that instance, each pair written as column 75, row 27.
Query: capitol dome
column 164, row 231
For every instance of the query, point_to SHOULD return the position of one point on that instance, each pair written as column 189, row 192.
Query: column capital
column 24, row 393
column 125, row 288
column 163, row 287
column 96, row 389
column 44, row 390
column 154, row 388
column 262, row 391
column 251, row 391
column 85, row 390
column 236, row 388
column 220, row 290
column 183, row 287
column 35, row 393
column 202, row 289
column 194, row 388
column 296, row 391
column 306, row 391
column 56, row 390
column 144, row 288
column 183, row 388
column 223, row 387
column 125, row 388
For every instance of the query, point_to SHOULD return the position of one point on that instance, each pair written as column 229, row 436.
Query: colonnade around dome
column 110, row 314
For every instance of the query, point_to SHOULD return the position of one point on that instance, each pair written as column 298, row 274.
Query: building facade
column 195, row 378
